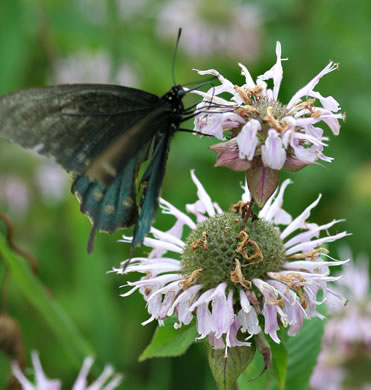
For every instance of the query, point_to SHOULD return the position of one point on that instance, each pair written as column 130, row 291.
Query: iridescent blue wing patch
column 108, row 208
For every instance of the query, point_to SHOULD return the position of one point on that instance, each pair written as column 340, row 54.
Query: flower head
column 43, row 383
column 347, row 337
column 230, row 275
column 262, row 129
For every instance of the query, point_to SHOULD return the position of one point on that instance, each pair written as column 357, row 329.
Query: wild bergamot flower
column 233, row 270
column 263, row 130
column 106, row 381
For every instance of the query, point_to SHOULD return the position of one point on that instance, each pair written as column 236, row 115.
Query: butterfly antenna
column 200, row 83
column 208, row 82
column 174, row 55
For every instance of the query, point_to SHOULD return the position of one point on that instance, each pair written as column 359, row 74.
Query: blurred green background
column 121, row 41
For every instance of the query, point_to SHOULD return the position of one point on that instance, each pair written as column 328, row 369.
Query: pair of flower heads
column 239, row 274
column 236, row 268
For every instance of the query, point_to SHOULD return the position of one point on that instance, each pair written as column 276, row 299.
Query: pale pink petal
column 217, row 343
column 313, row 232
column 249, row 82
column 41, row 380
column 246, row 196
column 247, row 315
column 226, row 85
column 148, row 241
column 310, row 245
column 166, row 236
column 204, row 323
column 273, row 152
column 299, row 222
column 16, row 371
column 272, row 211
column 329, row 103
column 247, row 139
column 222, row 314
column 205, row 204
column 168, row 208
column 308, row 89
column 231, row 337
column 275, row 73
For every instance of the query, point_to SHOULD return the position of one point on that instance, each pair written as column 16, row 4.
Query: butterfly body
column 101, row 134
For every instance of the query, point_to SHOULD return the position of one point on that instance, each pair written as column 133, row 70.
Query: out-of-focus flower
column 265, row 133
column 96, row 10
column 43, row 383
column 87, row 67
column 213, row 27
column 52, row 181
column 129, row 8
column 345, row 358
column 229, row 274
column 14, row 193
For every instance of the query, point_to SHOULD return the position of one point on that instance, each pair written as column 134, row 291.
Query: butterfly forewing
column 151, row 183
column 105, row 167
column 72, row 123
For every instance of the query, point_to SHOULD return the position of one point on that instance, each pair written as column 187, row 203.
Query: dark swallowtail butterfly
column 101, row 134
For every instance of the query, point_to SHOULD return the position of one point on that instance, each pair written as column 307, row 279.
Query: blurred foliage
column 35, row 34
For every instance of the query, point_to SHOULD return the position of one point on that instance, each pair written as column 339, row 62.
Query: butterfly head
column 173, row 100
column 177, row 93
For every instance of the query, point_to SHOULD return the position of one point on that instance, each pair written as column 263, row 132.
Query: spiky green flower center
column 279, row 110
column 217, row 250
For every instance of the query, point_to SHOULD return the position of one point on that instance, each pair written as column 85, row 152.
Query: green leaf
column 251, row 379
column 75, row 346
column 170, row 342
column 303, row 350
column 227, row 369
column 279, row 362
column 262, row 181
column 4, row 370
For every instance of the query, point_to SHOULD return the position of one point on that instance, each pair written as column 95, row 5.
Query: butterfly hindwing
column 109, row 208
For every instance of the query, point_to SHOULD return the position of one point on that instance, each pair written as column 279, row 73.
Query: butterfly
column 101, row 134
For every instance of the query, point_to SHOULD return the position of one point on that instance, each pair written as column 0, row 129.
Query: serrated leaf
column 262, row 182
column 227, row 369
column 170, row 342
column 74, row 344
column 303, row 350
